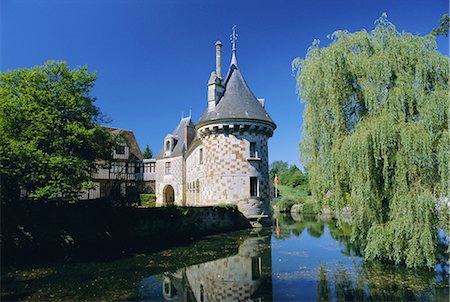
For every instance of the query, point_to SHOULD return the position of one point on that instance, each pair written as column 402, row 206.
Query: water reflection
column 295, row 224
column 378, row 284
column 301, row 259
column 338, row 272
column 246, row 276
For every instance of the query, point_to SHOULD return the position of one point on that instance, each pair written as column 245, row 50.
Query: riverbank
column 39, row 233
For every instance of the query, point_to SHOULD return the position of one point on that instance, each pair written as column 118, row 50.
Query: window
column 137, row 168
column 256, row 268
column 201, row 155
column 167, row 167
column 150, row 167
column 168, row 145
column 253, row 152
column 120, row 149
column 118, row 167
column 254, row 186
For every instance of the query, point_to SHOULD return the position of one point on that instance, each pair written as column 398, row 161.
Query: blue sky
column 153, row 58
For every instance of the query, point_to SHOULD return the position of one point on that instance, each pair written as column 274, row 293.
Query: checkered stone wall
column 235, row 278
column 227, row 168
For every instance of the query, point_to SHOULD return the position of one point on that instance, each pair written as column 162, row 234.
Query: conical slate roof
column 238, row 101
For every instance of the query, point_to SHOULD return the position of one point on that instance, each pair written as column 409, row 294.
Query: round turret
column 234, row 132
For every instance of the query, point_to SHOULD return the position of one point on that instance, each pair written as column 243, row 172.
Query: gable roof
column 238, row 102
column 178, row 134
column 130, row 140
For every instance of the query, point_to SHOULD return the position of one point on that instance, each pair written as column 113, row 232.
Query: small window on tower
column 201, row 155
column 253, row 152
column 254, row 190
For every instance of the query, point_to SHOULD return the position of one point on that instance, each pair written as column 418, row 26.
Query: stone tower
column 234, row 132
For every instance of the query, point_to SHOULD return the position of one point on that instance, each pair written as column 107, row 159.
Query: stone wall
column 224, row 176
column 174, row 179
column 194, row 177
column 31, row 233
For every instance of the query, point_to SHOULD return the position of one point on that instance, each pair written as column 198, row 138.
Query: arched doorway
column 168, row 194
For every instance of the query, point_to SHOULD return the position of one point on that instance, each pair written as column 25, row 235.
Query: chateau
column 223, row 158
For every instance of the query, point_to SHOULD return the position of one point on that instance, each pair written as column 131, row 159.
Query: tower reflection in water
column 245, row 276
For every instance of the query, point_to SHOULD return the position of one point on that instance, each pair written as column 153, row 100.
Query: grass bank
column 290, row 196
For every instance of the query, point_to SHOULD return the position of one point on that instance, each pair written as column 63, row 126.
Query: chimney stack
column 215, row 86
column 219, row 59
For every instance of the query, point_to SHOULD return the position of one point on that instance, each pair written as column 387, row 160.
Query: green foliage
column 285, row 204
column 277, row 166
column 323, row 287
column 148, row 200
column 49, row 138
column 376, row 127
column 289, row 177
column 442, row 29
column 148, row 153
column 291, row 192
column 230, row 207
column 408, row 237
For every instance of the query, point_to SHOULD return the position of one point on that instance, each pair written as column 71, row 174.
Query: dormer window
column 169, row 144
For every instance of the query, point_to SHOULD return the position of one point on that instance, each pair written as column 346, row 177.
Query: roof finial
column 190, row 112
column 234, row 38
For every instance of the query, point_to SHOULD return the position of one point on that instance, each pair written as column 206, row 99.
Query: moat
column 298, row 259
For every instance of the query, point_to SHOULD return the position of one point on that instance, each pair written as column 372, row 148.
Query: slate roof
column 131, row 140
column 178, row 134
column 238, row 101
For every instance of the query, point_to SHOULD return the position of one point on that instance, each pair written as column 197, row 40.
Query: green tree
column 376, row 127
column 442, row 29
column 148, row 153
column 323, row 286
column 49, row 137
column 276, row 167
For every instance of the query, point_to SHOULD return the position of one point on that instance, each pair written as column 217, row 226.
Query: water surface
column 298, row 259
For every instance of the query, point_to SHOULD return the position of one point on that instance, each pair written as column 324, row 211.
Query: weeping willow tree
column 376, row 136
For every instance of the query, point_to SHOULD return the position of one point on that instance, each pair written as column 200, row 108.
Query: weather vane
column 234, row 38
